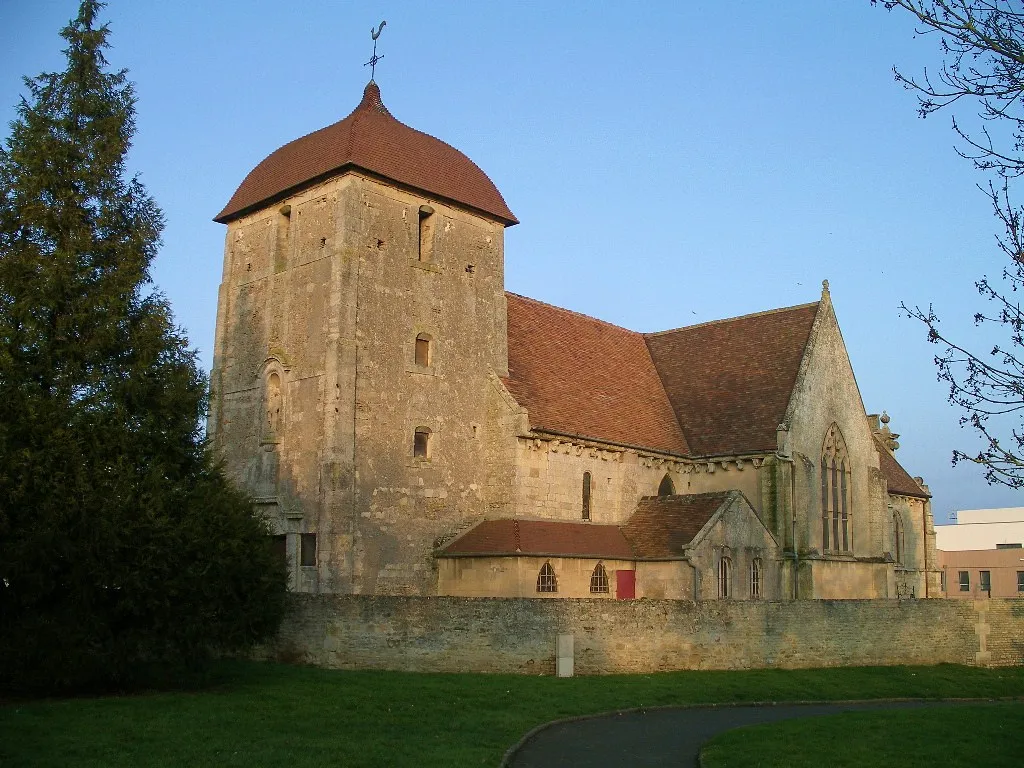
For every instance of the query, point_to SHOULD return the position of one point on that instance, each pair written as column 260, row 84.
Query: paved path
column 660, row 737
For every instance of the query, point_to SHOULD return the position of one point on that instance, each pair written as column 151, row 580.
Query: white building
column 982, row 529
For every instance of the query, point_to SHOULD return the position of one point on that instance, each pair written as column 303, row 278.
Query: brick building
column 409, row 427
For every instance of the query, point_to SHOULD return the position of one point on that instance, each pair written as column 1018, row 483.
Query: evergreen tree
column 122, row 547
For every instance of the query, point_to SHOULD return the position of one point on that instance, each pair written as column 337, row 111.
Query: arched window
column 586, row 495
column 422, row 354
column 546, row 581
column 599, row 580
column 755, row 577
column 725, row 577
column 666, row 488
column 898, row 540
column 273, row 403
column 421, row 443
column 836, row 507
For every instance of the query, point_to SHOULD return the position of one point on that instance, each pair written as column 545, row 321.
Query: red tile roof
column 541, row 538
column 662, row 526
column 580, row 376
column 898, row 479
column 370, row 139
column 730, row 381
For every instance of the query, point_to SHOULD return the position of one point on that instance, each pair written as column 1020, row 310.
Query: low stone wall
column 452, row 634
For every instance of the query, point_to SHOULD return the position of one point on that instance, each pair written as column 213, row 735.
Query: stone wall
column 446, row 634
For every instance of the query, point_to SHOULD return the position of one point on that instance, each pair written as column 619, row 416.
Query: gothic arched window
column 755, row 577
column 666, row 488
column 273, row 404
column 599, row 580
column 836, row 507
column 546, row 580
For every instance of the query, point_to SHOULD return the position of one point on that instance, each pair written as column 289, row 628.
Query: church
column 409, row 427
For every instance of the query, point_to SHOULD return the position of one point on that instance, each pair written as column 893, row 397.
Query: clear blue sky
column 670, row 164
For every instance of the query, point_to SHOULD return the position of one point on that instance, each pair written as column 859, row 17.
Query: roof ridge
column 733, row 319
column 574, row 312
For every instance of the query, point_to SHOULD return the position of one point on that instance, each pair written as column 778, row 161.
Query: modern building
column 981, row 554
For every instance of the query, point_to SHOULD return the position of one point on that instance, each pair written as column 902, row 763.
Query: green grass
column 274, row 715
column 965, row 736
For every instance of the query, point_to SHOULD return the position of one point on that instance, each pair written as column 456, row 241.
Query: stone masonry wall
column 445, row 634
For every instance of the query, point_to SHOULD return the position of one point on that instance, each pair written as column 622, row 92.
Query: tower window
column 426, row 234
column 422, row 357
column 284, row 231
column 421, row 443
column 586, row 495
column 308, row 549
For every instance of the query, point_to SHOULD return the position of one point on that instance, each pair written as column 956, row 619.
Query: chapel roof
column 540, row 538
column 896, row 477
column 715, row 389
column 662, row 525
column 370, row 139
column 658, row 530
column 583, row 377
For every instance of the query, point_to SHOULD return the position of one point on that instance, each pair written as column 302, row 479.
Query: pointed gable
column 730, row 381
column 583, row 377
column 662, row 525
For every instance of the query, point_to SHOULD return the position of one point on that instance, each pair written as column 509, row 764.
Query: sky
column 670, row 163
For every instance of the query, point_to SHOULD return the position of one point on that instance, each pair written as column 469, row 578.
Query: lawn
column 275, row 715
column 961, row 737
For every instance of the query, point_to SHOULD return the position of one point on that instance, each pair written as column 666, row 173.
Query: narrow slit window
column 284, row 236
column 426, row 234
column 724, row 578
column 421, row 443
column 586, row 495
column 422, row 354
column 308, row 547
column 755, row 577
column 546, row 581
column 599, row 580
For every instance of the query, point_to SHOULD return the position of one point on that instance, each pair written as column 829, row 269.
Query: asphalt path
column 659, row 737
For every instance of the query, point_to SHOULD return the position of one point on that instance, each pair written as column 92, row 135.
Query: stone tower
column 361, row 326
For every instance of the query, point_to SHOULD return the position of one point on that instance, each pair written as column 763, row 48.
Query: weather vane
column 375, row 58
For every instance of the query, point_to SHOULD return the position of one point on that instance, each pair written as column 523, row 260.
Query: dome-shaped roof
column 370, row 139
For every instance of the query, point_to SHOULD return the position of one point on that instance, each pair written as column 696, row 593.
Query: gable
column 730, row 381
column 897, row 478
column 661, row 526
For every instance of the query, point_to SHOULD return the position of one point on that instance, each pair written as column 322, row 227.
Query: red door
column 625, row 585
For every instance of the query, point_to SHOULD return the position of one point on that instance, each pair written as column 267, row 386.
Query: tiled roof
column 541, row 537
column 581, row 376
column 897, row 478
column 370, row 139
column 730, row 381
column 662, row 526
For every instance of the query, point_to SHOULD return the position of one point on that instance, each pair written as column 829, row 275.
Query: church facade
column 407, row 426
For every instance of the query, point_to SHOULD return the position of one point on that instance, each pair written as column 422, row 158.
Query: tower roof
column 370, row 139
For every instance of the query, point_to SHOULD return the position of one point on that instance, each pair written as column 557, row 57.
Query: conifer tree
column 122, row 547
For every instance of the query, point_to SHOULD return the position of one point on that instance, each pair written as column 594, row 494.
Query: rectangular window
column 1015, row 545
column 586, row 495
column 965, row 581
column 421, row 443
column 1020, row 581
column 308, row 549
column 942, row 581
column 279, row 544
column 986, row 580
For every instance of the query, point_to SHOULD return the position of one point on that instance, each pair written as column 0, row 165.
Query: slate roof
column 714, row 389
column 730, row 381
column 370, row 138
column 657, row 530
column 541, row 537
column 584, row 377
column 898, row 479
column 662, row 526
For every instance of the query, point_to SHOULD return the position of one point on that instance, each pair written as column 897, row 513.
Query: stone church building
column 407, row 426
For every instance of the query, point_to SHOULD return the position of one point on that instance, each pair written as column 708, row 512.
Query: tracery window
column 599, row 580
column 898, row 539
column 725, row 577
column 586, row 495
column 667, row 488
column 836, row 507
column 755, row 577
column 546, row 580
